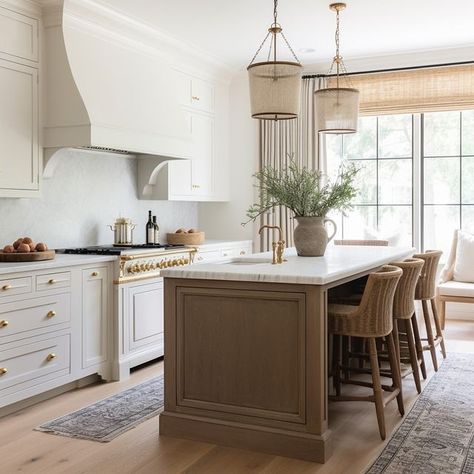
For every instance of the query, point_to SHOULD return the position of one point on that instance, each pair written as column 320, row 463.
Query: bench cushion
column 456, row 288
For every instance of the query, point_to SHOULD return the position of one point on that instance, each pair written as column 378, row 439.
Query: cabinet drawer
column 30, row 363
column 208, row 256
column 36, row 313
column 15, row 286
column 18, row 35
column 52, row 281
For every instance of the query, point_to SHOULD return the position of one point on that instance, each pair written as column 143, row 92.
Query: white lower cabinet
column 54, row 329
column 145, row 315
column 95, row 311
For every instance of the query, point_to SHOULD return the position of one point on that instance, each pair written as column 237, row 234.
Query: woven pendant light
column 275, row 86
column 337, row 108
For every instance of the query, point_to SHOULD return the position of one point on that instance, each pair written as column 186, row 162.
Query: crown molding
column 423, row 57
column 26, row 7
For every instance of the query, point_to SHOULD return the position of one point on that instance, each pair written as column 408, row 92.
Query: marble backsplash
column 87, row 192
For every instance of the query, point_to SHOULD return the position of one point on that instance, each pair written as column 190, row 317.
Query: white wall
column 223, row 220
column 87, row 192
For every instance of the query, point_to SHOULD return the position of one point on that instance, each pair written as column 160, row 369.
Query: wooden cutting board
column 27, row 257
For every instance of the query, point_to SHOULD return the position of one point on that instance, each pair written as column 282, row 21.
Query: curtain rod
column 408, row 68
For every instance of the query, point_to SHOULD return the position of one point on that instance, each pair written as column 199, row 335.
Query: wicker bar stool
column 403, row 311
column 426, row 291
column 368, row 243
column 371, row 320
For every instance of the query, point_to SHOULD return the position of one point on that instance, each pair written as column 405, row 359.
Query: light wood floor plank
column 142, row 451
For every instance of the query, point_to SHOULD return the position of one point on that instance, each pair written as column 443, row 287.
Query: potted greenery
column 310, row 195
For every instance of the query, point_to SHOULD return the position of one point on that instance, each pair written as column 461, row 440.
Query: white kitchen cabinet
column 95, row 310
column 205, row 177
column 19, row 105
column 145, row 315
column 193, row 178
column 195, row 93
column 19, row 127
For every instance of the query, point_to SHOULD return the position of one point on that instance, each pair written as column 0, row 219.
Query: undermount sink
column 249, row 261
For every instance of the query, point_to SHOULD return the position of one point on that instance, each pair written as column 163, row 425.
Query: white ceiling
column 232, row 30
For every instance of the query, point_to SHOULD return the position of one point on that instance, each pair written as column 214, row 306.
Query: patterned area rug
column 437, row 436
column 105, row 420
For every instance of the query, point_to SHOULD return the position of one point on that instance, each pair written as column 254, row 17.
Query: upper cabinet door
column 196, row 94
column 202, row 95
column 19, row 147
column 18, row 36
column 202, row 164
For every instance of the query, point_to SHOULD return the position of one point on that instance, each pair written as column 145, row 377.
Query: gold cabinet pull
column 52, row 281
column 51, row 356
column 3, row 323
column 243, row 252
column 3, row 370
column 6, row 287
column 95, row 274
column 51, row 314
column 195, row 97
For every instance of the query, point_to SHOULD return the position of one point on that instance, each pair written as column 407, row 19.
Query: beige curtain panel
column 286, row 139
column 417, row 90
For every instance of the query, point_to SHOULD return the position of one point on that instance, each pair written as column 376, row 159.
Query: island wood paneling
column 245, row 366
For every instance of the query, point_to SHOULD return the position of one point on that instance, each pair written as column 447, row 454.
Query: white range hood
column 103, row 94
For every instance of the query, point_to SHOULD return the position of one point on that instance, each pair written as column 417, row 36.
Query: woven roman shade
column 417, row 90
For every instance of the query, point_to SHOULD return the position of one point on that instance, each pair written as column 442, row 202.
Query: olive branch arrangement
column 307, row 193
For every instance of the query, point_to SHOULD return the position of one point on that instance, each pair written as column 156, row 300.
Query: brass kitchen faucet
column 278, row 247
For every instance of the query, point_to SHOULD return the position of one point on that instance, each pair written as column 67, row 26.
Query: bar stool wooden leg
column 395, row 369
column 419, row 346
column 336, row 373
column 346, row 341
column 429, row 333
column 378, row 398
column 439, row 332
column 413, row 354
column 396, row 340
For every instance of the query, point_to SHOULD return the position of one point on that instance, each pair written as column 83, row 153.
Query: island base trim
column 305, row 446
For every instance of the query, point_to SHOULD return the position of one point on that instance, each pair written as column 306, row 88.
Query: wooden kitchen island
column 246, row 349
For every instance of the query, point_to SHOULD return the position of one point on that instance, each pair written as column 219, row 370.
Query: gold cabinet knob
column 3, row 370
column 51, row 314
column 52, row 281
column 51, row 356
column 6, row 287
column 95, row 274
column 3, row 323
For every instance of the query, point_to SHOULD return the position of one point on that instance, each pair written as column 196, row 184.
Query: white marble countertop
column 338, row 262
column 61, row 260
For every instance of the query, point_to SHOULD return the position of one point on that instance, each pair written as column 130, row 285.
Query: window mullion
column 417, row 182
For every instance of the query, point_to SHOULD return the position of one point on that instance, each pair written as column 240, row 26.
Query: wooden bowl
column 27, row 257
column 181, row 238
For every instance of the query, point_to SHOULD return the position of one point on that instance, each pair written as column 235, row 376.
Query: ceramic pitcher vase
column 311, row 236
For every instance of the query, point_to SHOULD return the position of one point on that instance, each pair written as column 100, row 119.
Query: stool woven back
column 404, row 299
column 373, row 243
column 373, row 317
column 426, row 287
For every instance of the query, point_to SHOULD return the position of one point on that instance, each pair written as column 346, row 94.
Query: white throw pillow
column 464, row 266
column 393, row 236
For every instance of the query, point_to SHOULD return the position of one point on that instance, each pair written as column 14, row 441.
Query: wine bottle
column 157, row 230
column 150, row 230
